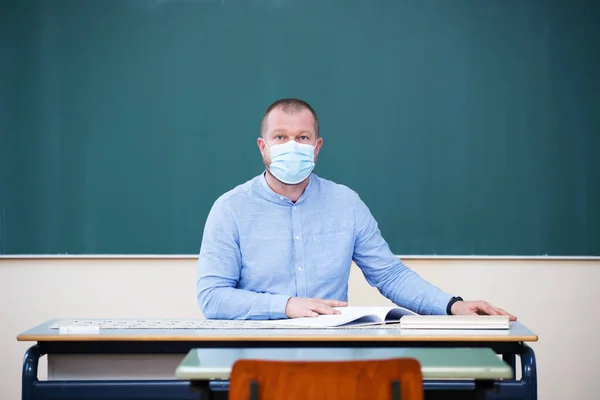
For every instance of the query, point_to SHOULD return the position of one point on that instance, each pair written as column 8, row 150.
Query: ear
column 261, row 144
column 318, row 145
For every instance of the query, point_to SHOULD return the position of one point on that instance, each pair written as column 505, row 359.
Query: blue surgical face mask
column 292, row 162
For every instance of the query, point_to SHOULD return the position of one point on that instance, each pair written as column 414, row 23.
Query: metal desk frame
column 34, row 389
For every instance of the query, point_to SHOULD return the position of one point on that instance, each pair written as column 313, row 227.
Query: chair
column 391, row 379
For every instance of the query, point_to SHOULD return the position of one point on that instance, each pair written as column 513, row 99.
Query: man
column 281, row 245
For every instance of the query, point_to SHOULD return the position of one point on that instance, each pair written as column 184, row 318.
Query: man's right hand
column 298, row 307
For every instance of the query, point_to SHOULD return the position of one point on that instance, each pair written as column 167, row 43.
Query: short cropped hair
column 290, row 106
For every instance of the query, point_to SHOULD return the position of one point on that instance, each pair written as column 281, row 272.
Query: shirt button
column 280, row 197
column 299, row 268
column 297, row 237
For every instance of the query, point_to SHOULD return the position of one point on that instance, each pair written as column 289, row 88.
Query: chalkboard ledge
column 194, row 256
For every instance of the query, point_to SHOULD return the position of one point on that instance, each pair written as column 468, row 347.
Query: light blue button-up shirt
column 259, row 249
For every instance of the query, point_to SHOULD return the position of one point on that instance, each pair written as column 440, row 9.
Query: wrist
column 277, row 306
column 451, row 303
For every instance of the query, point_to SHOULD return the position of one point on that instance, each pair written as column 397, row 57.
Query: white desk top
column 436, row 363
column 517, row 333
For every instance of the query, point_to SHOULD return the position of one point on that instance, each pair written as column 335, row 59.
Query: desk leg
column 30, row 369
column 524, row 388
column 482, row 388
column 204, row 389
column 529, row 372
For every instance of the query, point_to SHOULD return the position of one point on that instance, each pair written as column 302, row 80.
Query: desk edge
column 268, row 338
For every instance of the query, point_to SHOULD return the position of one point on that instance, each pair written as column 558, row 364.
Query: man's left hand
column 478, row 307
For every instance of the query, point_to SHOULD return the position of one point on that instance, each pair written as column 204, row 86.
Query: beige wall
column 556, row 299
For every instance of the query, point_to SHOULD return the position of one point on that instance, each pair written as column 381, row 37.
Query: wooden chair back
column 391, row 379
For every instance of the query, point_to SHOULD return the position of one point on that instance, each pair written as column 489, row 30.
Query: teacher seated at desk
column 281, row 245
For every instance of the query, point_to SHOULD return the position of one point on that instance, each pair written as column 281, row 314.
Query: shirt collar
column 282, row 199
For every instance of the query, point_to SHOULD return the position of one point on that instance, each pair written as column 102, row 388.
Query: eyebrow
column 280, row 131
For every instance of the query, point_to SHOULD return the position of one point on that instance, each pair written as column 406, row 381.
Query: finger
column 325, row 309
column 310, row 313
column 334, row 303
column 499, row 311
column 510, row 316
column 491, row 310
column 486, row 308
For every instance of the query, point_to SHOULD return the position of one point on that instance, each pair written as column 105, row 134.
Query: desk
column 77, row 352
column 201, row 366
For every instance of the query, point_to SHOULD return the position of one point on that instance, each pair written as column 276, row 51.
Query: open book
column 353, row 316
column 350, row 316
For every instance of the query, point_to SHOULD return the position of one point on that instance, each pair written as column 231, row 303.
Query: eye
column 279, row 137
column 303, row 137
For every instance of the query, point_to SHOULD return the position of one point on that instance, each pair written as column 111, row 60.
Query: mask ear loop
column 266, row 145
column 271, row 161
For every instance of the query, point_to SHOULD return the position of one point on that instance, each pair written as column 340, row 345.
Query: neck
column 292, row 192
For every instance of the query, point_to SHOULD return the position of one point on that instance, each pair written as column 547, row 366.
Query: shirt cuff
column 277, row 306
column 441, row 304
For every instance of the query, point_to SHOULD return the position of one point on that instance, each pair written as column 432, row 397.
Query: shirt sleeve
column 219, row 267
column 385, row 271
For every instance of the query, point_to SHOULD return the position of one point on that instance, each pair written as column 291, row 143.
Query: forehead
column 297, row 120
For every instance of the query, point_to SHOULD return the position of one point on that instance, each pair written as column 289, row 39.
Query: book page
column 383, row 314
column 348, row 315
column 398, row 312
column 351, row 315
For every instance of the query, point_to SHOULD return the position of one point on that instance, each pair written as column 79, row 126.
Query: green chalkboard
column 468, row 127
